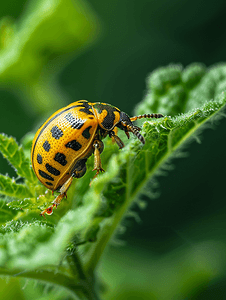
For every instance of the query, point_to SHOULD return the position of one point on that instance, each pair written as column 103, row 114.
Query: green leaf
column 172, row 90
column 9, row 187
column 6, row 214
column 27, row 203
column 15, row 155
column 33, row 203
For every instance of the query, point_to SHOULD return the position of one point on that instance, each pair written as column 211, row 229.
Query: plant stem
column 75, row 265
column 77, row 270
column 110, row 229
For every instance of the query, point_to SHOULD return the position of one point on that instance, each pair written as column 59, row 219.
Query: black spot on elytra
column 52, row 170
column 57, row 133
column 86, row 133
column 74, row 145
column 39, row 159
column 45, row 175
column 75, row 123
column 46, row 146
column 48, row 183
column 49, row 122
column 60, row 158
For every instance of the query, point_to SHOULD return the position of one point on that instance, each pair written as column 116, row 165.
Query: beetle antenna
column 150, row 116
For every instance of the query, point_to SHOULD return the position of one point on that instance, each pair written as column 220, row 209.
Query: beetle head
column 126, row 125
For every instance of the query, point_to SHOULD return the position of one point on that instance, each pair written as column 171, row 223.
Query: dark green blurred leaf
column 47, row 37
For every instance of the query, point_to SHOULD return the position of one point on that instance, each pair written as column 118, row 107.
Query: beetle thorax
column 107, row 115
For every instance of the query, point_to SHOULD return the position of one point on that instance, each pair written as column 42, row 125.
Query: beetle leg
column 134, row 129
column 116, row 139
column 124, row 123
column 115, row 131
column 98, row 148
column 57, row 200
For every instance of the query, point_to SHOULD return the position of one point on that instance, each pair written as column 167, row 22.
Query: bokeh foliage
column 33, row 52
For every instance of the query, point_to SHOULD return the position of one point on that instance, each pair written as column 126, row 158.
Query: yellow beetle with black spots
column 63, row 143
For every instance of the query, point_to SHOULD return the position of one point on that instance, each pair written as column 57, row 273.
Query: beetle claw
column 97, row 173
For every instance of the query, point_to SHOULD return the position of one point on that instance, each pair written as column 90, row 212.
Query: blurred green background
column 177, row 251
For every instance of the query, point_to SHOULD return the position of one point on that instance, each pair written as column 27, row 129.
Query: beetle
column 70, row 136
